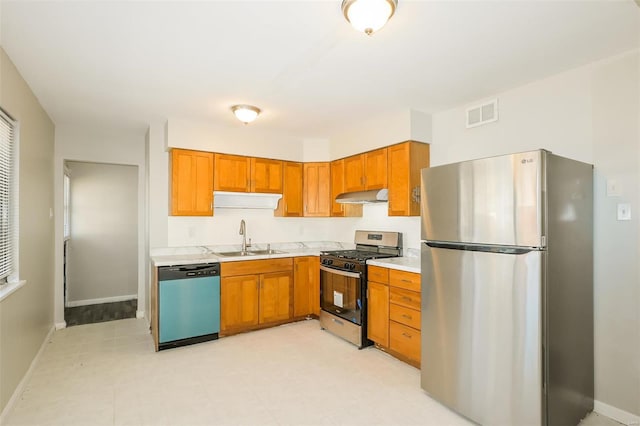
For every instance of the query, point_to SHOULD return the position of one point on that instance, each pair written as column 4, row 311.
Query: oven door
column 341, row 293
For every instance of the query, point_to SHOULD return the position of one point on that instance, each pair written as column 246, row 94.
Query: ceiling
column 124, row 64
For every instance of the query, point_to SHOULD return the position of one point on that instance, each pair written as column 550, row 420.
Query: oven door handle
column 339, row 272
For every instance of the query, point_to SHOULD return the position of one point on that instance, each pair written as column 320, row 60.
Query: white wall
column 26, row 316
column 381, row 131
column 102, row 253
column 262, row 227
column 241, row 139
column 112, row 146
column 589, row 114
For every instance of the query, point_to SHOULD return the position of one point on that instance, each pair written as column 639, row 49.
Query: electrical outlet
column 624, row 211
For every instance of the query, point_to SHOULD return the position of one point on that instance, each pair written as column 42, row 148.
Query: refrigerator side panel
column 495, row 201
column 569, row 290
column 481, row 334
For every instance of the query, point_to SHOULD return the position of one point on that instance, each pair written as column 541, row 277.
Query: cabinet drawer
column 404, row 340
column 406, row 298
column 378, row 274
column 403, row 279
column 405, row 316
column 262, row 266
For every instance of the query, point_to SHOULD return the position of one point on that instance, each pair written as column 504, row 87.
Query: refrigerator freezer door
column 481, row 334
column 489, row 201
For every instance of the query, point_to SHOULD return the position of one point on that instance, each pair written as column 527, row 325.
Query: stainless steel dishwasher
column 188, row 304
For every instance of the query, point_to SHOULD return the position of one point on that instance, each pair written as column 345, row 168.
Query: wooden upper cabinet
column 375, row 169
column 405, row 160
column 366, row 171
column 337, row 188
column 291, row 203
column 191, row 183
column 233, row 173
column 266, row 175
column 237, row 173
column 317, row 192
column 354, row 173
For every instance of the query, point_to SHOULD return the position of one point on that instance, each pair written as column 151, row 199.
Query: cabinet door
column 375, row 169
column 317, row 191
column 233, row 173
column 378, row 313
column 238, row 302
column 405, row 160
column 275, row 297
column 354, row 173
column 191, row 183
column 306, row 286
column 266, row 175
column 337, row 188
column 291, row 203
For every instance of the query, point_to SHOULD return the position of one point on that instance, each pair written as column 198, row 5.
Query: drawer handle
column 408, row 336
column 406, row 281
column 406, row 316
column 408, row 299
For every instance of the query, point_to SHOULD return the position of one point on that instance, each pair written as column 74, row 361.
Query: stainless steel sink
column 266, row 251
column 248, row 253
column 235, row 253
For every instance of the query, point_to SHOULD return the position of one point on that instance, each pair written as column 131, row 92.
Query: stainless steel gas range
column 343, row 284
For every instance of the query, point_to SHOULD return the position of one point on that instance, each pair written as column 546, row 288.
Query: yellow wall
column 26, row 316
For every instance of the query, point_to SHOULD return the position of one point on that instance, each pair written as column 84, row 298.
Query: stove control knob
column 350, row 266
column 327, row 261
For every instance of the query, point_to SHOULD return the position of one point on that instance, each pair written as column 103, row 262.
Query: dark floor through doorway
column 102, row 312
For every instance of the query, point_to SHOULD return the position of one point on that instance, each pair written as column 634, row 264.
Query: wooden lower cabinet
column 404, row 340
column 394, row 312
column 239, row 302
column 378, row 313
column 306, row 286
column 254, row 300
column 275, row 297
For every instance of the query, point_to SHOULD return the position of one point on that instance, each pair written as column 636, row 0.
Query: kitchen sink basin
column 266, row 252
column 248, row 253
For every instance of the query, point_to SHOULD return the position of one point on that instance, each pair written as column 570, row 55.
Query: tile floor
column 102, row 312
column 108, row 374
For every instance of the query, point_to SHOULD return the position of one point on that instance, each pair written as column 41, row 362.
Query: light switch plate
column 613, row 189
column 624, row 211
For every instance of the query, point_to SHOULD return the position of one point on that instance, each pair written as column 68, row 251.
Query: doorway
column 101, row 242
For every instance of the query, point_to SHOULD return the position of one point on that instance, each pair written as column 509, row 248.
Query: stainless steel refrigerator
column 507, row 288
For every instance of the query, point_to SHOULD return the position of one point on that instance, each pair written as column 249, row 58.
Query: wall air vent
column 481, row 114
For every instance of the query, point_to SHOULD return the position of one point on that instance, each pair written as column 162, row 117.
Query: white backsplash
column 262, row 227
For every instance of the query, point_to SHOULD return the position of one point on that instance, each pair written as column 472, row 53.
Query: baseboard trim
column 101, row 300
column 23, row 383
column 139, row 314
column 61, row 325
column 616, row 414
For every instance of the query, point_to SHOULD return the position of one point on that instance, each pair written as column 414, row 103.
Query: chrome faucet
column 243, row 232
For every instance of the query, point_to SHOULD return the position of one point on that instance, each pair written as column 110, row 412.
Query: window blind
column 7, row 214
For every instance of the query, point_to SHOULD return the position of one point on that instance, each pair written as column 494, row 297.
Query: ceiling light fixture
column 368, row 16
column 245, row 113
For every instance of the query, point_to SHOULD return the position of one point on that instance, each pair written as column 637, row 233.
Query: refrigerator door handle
column 482, row 248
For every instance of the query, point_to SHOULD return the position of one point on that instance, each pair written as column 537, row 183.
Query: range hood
column 364, row 197
column 245, row 200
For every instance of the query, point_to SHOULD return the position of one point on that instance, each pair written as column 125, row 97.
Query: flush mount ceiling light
column 368, row 16
column 245, row 113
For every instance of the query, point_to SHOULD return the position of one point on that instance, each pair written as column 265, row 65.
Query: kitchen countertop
column 171, row 256
column 410, row 262
column 206, row 254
